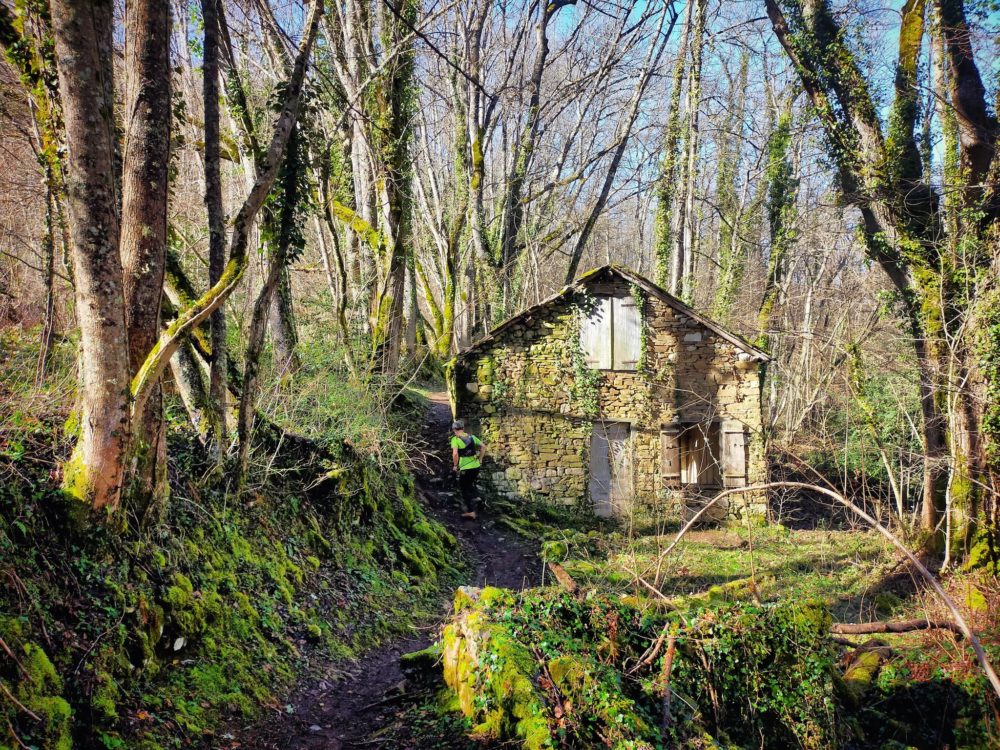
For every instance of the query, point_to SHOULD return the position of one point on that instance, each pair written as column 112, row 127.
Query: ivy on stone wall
column 639, row 298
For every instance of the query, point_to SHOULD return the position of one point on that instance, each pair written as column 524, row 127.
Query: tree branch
column 156, row 361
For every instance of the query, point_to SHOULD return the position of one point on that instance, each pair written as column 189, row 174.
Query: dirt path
column 344, row 708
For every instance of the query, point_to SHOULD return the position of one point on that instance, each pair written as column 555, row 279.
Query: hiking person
column 467, row 453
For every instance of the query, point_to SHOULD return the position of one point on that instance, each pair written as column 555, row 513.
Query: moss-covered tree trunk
column 216, row 409
column 95, row 473
column 391, row 134
column 666, row 184
column 943, row 293
column 264, row 303
column 682, row 259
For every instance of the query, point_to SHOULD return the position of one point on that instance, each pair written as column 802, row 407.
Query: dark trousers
column 467, row 484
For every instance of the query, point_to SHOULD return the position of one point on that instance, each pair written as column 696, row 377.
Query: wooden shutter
column 670, row 456
column 595, row 335
column 734, row 454
column 627, row 334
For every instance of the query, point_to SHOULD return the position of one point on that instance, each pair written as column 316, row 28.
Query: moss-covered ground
column 123, row 636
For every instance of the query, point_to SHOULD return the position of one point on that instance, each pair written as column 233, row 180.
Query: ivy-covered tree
column 941, row 261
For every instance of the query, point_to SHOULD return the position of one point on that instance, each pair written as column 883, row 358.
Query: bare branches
column 158, row 358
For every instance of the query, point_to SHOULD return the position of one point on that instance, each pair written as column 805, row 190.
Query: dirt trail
column 345, row 708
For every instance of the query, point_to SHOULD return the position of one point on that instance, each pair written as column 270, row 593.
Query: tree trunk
column 216, row 408
column 145, row 192
column 282, row 317
column 49, row 244
column 83, row 43
column 681, row 279
column 264, row 305
column 190, row 384
column 666, row 185
column 190, row 318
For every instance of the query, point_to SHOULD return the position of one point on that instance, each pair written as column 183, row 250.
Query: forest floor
column 337, row 707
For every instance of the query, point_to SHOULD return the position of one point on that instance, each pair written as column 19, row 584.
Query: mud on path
column 348, row 705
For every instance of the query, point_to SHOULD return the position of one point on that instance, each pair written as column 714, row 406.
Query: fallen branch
column 20, row 666
column 18, row 703
column 565, row 579
column 905, row 626
column 668, row 665
column 959, row 621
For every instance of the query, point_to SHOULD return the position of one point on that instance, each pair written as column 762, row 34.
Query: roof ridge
column 629, row 275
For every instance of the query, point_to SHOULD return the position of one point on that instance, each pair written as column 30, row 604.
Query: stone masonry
column 527, row 392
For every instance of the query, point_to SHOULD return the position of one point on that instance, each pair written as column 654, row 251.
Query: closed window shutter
column 627, row 337
column 670, row 456
column 595, row 335
column 734, row 454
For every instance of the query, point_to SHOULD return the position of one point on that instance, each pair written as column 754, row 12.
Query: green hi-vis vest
column 468, row 451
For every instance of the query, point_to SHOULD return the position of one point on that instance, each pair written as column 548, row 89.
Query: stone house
column 615, row 396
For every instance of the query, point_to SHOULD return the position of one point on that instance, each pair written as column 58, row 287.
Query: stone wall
column 527, row 392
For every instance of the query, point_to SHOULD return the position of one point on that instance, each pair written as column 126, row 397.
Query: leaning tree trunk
column 144, row 228
column 84, row 52
column 264, row 305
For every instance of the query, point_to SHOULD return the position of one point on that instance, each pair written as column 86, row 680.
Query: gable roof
column 613, row 269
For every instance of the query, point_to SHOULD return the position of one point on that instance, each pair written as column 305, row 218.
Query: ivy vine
column 639, row 298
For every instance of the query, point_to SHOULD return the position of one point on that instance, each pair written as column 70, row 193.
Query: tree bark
column 215, row 410
column 145, row 192
column 83, row 43
column 879, row 180
column 666, row 184
column 200, row 311
column 682, row 262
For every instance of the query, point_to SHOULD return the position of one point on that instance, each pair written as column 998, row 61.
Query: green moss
column 40, row 690
column 861, row 674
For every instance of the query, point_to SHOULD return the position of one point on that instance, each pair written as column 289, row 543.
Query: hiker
column 467, row 453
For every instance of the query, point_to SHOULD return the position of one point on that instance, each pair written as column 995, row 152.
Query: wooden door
column 734, row 454
column 610, row 469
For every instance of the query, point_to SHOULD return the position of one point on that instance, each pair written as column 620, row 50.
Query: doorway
column 610, row 468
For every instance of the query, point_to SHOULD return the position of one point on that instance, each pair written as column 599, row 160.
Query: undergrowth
column 154, row 638
column 548, row 669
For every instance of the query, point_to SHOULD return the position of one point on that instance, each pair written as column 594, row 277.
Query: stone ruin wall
column 521, row 392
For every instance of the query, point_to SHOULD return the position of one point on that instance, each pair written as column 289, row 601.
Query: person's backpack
column 468, row 448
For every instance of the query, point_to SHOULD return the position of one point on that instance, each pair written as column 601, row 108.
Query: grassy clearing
column 741, row 660
column 840, row 568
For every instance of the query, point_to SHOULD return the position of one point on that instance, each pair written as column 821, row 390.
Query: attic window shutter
column 734, row 454
column 627, row 335
column 670, row 456
column 595, row 335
